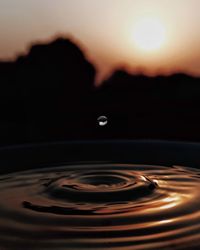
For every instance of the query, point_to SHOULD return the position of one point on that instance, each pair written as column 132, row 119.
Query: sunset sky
column 146, row 35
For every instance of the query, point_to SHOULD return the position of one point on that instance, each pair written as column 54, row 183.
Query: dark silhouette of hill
column 49, row 94
column 162, row 107
column 44, row 91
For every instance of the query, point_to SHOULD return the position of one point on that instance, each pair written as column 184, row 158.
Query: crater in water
column 101, row 206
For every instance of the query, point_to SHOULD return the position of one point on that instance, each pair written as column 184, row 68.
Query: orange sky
column 105, row 28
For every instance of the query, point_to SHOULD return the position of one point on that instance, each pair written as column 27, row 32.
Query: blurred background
column 64, row 64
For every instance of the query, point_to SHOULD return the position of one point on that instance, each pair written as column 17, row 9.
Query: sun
column 149, row 34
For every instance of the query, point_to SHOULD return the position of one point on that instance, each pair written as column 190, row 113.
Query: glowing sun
column 149, row 34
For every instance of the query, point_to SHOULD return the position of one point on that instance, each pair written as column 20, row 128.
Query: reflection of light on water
column 172, row 201
column 176, row 199
column 164, row 221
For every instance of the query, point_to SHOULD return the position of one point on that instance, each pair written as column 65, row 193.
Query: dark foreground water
column 105, row 206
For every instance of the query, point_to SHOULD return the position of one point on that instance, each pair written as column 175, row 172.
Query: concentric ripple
column 101, row 206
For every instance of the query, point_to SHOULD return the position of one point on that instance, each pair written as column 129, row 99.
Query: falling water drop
column 102, row 121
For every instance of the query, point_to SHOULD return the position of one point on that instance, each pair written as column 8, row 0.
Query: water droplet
column 102, row 121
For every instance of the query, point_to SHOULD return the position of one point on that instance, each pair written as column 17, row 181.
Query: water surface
column 101, row 206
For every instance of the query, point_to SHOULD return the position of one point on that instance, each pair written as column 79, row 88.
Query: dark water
column 105, row 206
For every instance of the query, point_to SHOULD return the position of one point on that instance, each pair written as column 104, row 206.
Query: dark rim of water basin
column 23, row 157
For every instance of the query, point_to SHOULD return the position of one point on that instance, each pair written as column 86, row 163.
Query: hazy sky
column 105, row 28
